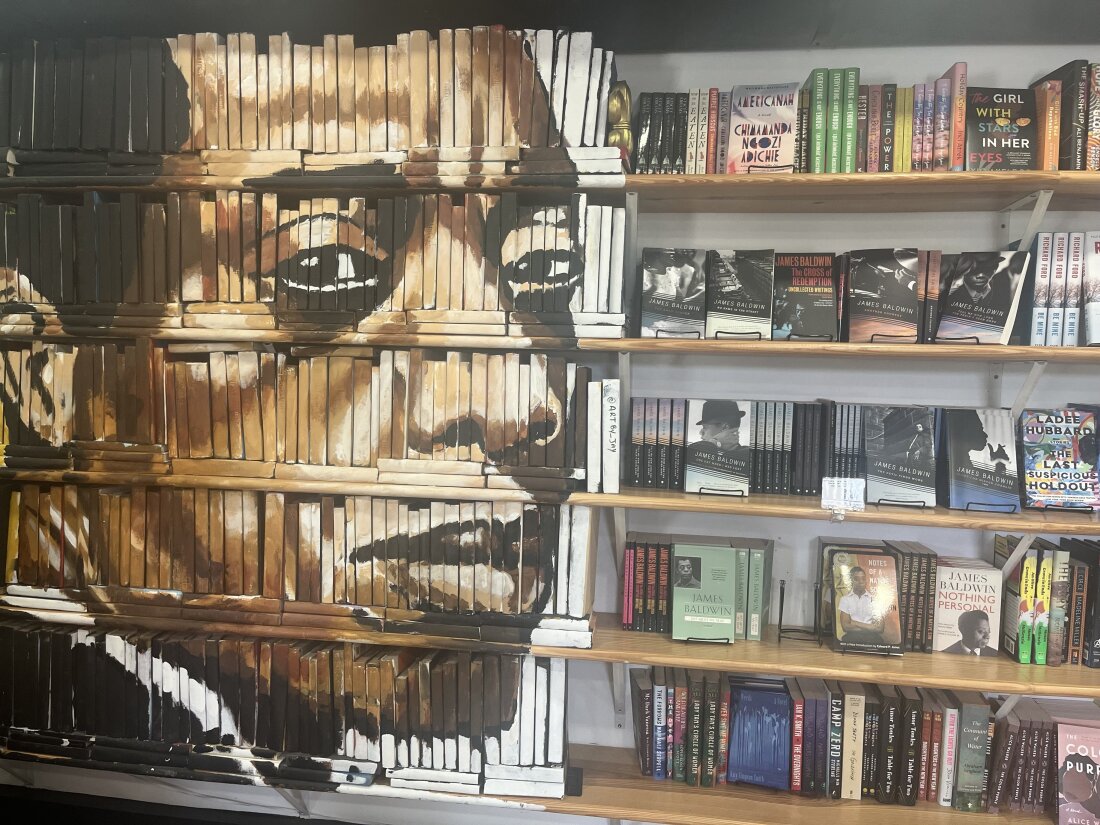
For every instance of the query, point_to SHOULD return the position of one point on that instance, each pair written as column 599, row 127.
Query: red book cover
column 628, row 585
column 925, row 753
column 874, row 126
column 934, row 755
column 712, row 132
column 653, row 607
column 639, row 589
column 957, row 75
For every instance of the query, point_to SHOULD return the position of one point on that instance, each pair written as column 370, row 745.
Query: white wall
column 590, row 704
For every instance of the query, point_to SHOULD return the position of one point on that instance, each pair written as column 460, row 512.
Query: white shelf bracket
column 618, row 693
column 1013, row 561
column 1007, row 706
column 1037, row 203
column 295, row 799
column 21, row 775
column 618, row 529
column 1022, row 397
column 994, row 384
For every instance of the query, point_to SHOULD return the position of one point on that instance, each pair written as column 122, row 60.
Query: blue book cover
column 760, row 736
column 981, row 460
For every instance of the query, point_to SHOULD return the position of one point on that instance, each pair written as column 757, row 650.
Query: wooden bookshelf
column 614, row 788
column 842, row 193
column 610, row 643
column 808, row 507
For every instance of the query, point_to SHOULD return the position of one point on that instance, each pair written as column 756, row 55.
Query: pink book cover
column 941, row 146
column 628, row 585
column 957, row 75
column 874, row 125
column 916, row 145
column 1078, row 769
column 929, row 129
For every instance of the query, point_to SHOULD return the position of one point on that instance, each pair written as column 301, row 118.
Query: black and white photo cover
column 983, row 294
column 673, row 293
column 739, row 293
column 718, row 455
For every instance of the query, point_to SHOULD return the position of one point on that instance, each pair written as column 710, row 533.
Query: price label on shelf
column 842, row 494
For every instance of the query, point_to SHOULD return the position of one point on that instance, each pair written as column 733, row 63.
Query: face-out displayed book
column 805, row 296
column 1002, row 133
column 981, row 294
column 739, row 293
column 1059, row 458
column 703, row 578
column 1078, row 771
column 865, row 597
column 980, row 460
column 827, row 547
column 760, row 733
column 967, row 607
column 883, row 301
column 718, row 456
column 762, row 128
column 900, row 455
column 673, row 293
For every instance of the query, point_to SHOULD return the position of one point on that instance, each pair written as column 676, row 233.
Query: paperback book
column 981, row 460
column 805, row 296
column 760, row 734
column 983, row 294
column 718, row 457
column 900, row 455
column 739, row 293
column 967, row 608
column 1002, row 133
column 883, row 304
column 673, row 293
column 702, row 592
column 1059, row 455
column 1078, row 765
column 865, row 595
column 762, row 128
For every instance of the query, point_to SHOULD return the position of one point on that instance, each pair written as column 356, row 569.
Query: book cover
column 1002, row 132
column 718, row 457
column 1056, row 299
column 981, row 459
column 882, row 296
column 899, row 454
column 760, row 736
column 739, row 293
column 1040, row 296
column 1059, row 458
column 1073, row 128
column 973, row 746
column 983, row 295
column 1091, row 289
column 762, row 128
column 1092, row 141
column 703, row 579
column 865, row 594
column 673, row 293
column 849, row 139
column 1048, row 112
column 805, row 296
column 1077, row 766
column 817, row 83
column 834, row 120
column 967, row 607
column 1075, row 267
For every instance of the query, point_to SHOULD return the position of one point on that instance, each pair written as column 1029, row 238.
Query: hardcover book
column 865, row 595
column 882, row 296
column 739, row 293
column 981, row 460
column 762, row 128
column 805, row 296
column 967, row 607
column 718, row 457
column 1076, row 768
column 901, row 462
column 983, row 295
column 1059, row 455
column 703, row 579
column 673, row 293
column 1001, row 130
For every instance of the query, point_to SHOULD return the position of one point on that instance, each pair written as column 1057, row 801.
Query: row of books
column 392, row 555
column 832, row 123
column 424, row 263
column 1065, row 289
column 961, row 458
column 467, row 87
column 851, row 740
column 325, row 713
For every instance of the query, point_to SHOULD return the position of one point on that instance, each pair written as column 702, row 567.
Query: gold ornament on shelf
column 618, row 119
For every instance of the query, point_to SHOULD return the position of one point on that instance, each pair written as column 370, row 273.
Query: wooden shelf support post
column 1037, row 202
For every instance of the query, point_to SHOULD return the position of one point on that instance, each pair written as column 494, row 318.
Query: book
column 967, row 607
column 1075, row 266
column 957, row 75
column 1091, row 289
column 718, row 458
column 739, row 293
column 855, row 699
column 760, row 734
column 702, row 592
column 805, row 296
column 1002, row 130
column 1059, row 461
column 1073, row 127
column 882, row 295
column 611, row 436
column 980, row 462
column 1048, row 111
column 762, row 123
column 673, row 293
column 864, row 589
column 900, row 455
column 1078, row 748
column 982, row 296
column 975, row 728
column 1041, row 262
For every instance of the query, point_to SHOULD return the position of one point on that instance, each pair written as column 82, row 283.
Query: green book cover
column 760, row 574
column 818, row 81
column 710, row 737
column 835, row 120
column 851, row 103
column 703, row 579
column 741, row 593
column 694, row 727
column 1042, row 604
column 973, row 743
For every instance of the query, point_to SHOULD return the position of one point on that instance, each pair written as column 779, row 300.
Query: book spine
column 757, row 584
column 712, row 131
column 701, row 133
column 643, row 149
column 1078, row 117
column 911, row 733
column 950, row 741
column 710, row 741
column 874, row 127
column 720, row 166
column 851, row 782
column 628, row 585
column 850, row 140
column 929, row 127
column 663, row 621
column 651, row 577
column 930, row 611
column 1091, row 288
column 973, row 743
column 941, row 141
column 1025, row 629
column 741, row 594
column 805, row 95
column 818, row 119
column 958, row 117
column 694, row 733
column 1057, row 313
column 647, row 732
column 1077, row 626
column 798, row 722
column 935, row 755
column 888, row 140
column 835, row 133
column 1060, row 596
column 889, row 737
column 722, row 759
column 657, row 137
column 836, row 738
column 638, row 589
column 861, row 130
column 1040, row 302
column 680, row 726
column 1074, row 281
column 678, row 445
column 1043, row 589
column 679, row 158
column 1053, row 128
column 610, row 469
column 660, row 731
column 916, row 144
column 692, row 131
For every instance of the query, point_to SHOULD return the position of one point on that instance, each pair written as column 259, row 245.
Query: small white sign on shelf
column 842, row 495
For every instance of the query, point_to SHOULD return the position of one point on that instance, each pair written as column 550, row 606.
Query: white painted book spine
column 595, row 419
column 609, row 465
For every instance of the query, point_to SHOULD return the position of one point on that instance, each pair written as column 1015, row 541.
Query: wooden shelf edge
column 771, row 506
column 610, row 643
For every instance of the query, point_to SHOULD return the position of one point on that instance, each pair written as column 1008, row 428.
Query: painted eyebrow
column 293, row 223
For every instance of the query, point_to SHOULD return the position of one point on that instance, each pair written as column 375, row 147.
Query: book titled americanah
column 762, row 128
column 739, row 293
column 1059, row 456
column 703, row 579
column 673, row 293
column 983, row 294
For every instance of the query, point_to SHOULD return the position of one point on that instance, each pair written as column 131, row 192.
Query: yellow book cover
column 1042, row 606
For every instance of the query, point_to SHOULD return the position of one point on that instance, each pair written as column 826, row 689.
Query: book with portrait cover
column 762, row 128
column 865, row 602
column 980, row 464
column 702, row 592
column 982, row 296
column 805, row 296
column 1059, row 458
column 739, row 293
column 883, row 305
column 673, row 293
column 718, row 455
column 900, row 456
column 967, row 608
column 1077, row 767
column 1001, row 130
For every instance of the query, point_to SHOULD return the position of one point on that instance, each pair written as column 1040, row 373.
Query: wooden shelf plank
column 1029, row 521
column 610, row 643
column 615, row 789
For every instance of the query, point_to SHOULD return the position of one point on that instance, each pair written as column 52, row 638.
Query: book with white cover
column 1075, row 271
column 1040, row 297
column 762, row 128
column 592, row 471
column 610, row 462
column 1091, row 299
column 1057, row 314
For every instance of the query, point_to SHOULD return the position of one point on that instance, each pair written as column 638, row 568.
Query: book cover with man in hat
column 718, row 455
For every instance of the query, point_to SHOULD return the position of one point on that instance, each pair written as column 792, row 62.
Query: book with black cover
column 805, row 296
column 1002, row 133
column 980, row 461
column 739, row 293
column 899, row 454
column 883, row 304
column 673, row 293
column 981, row 296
